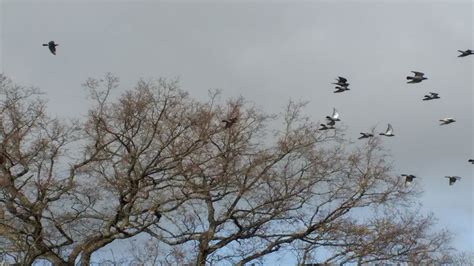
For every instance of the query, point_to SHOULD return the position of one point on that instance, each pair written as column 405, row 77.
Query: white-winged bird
column 419, row 77
column 465, row 53
column 229, row 122
column 408, row 178
column 334, row 117
column 431, row 96
column 365, row 135
column 52, row 46
column 453, row 179
column 388, row 132
column 446, row 121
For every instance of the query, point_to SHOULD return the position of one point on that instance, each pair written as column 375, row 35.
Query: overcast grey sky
column 270, row 52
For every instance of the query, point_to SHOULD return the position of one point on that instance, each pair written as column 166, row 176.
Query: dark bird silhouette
column 341, row 89
column 453, row 179
column 419, row 77
column 341, row 82
column 328, row 125
column 388, row 132
column 52, row 46
column 471, row 161
column 408, row 178
column 465, row 53
column 365, row 135
column 229, row 122
column 446, row 121
column 431, row 96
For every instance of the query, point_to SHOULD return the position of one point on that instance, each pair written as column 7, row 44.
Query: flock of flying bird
column 342, row 86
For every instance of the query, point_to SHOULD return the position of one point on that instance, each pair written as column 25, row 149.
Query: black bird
column 52, row 46
column 229, row 122
column 452, row 179
column 341, row 82
column 408, row 178
column 471, row 161
column 330, row 125
column 365, row 135
column 431, row 96
column 341, row 89
column 419, row 77
column 465, row 53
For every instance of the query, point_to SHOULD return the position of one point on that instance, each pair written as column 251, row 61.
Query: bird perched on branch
column 52, row 46
column 419, row 77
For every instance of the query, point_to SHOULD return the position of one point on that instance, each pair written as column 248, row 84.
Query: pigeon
column 452, row 179
column 52, row 46
column 431, row 96
column 419, row 77
column 465, row 53
column 388, row 132
column 366, row 135
column 328, row 126
column 446, row 121
column 334, row 117
column 341, row 89
column 471, row 161
column 341, row 82
column 229, row 122
column 408, row 178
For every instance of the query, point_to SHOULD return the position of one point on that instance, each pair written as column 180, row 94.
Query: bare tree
column 208, row 181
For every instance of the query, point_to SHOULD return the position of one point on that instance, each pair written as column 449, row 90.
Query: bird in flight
column 446, row 121
column 342, row 82
column 431, row 96
column 471, row 161
column 419, row 77
column 365, row 135
column 52, row 46
column 408, row 178
column 329, row 125
column 465, row 53
column 341, row 89
column 334, row 117
column 388, row 132
column 453, row 179
column 229, row 122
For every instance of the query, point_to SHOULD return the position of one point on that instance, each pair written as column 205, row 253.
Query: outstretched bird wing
column 335, row 114
column 418, row 74
column 342, row 80
column 389, row 129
